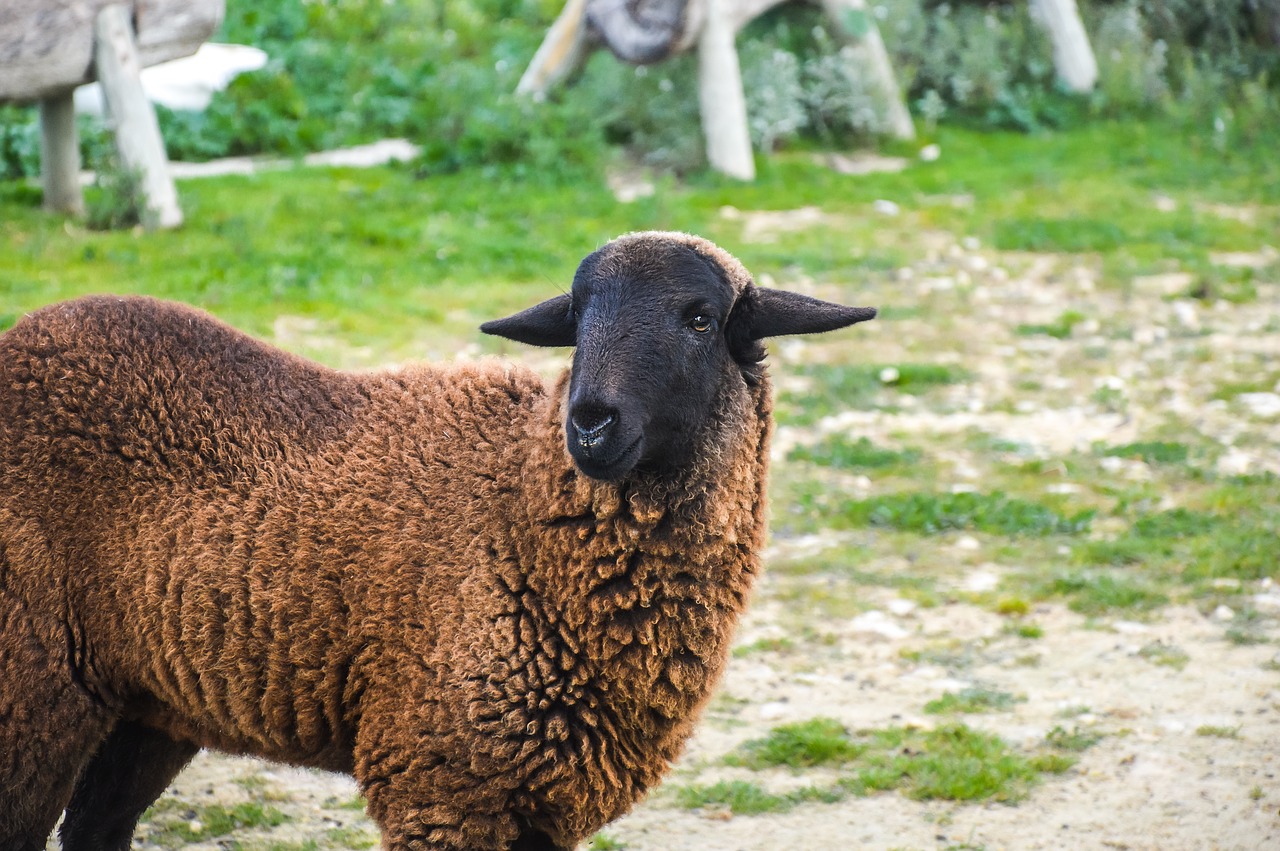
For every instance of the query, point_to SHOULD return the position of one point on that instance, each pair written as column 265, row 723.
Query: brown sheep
column 499, row 605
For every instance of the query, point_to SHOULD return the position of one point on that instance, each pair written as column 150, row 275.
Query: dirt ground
column 1189, row 757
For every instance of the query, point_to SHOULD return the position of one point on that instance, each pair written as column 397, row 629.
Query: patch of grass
column 839, row 452
column 1075, row 739
column 1059, row 329
column 974, row 699
column 1015, row 606
column 1218, row 732
column 764, row 645
column 951, row 762
column 819, row 741
column 994, row 513
column 1151, row 452
column 841, row 387
column 604, row 842
column 1101, row 593
column 172, row 827
column 740, row 797
column 1024, row 629
column 1168, row 655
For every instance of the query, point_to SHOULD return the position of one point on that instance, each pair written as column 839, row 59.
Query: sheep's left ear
column 773, row 313
column 547, row 324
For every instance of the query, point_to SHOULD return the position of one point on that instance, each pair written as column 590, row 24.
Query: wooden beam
column 561, row 51
column 60, row 154
column 46, row 46
column 855, row 23
column 723, row 105
column 1072, row 54
column 133, row 119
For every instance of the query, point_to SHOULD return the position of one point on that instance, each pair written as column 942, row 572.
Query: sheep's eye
column 701, row 324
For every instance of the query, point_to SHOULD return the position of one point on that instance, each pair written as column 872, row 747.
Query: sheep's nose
column 591, row 426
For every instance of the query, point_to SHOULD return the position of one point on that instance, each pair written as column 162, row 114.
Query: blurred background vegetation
column 442, row 74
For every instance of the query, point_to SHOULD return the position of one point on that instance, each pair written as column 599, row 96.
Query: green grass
column 1215, row 731
column 1104, row 594
column 1073, row 740
column 815, row 742
column 841, row 453
column 1059, row 329
column 951, row 762
column 1152, row 452
column 841, row 387
column 931, row 513
column 172, row 825
column 975, row 699
column 1168, row 655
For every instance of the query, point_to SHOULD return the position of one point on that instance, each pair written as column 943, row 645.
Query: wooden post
column 560, row 53
column 723, row 105
column 60, row 154
column 854, row 21
column 1072, row 54
column 132, row 117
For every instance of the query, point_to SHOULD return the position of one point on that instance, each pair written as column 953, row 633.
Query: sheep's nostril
column 591, row 427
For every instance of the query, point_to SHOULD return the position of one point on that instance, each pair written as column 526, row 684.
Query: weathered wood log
column 720, row 96
column 1072, row 54
column 60, row 154
column 46, row 46
column 561, row 51
column 860, row 31
column 133, row 118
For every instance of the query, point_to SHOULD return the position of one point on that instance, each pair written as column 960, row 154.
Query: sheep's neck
column 645, row 579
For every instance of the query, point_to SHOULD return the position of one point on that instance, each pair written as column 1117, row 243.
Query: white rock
column 1269, row 601
column 979, row 581
column 1223, row 613
column 773, row 710
column 900, row 607
column 968, row 543
column 876, row 623
column 930, row 153
column 1264, row 405
column 1130, row 627
column 1187, row 314
column 886, row 208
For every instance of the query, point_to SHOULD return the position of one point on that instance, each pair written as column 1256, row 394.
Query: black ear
column 546, row 324
column 777, row 312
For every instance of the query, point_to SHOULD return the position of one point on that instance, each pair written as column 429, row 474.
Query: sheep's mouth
column 607, row 470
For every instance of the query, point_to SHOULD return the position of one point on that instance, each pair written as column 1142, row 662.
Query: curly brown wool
column 206, row 542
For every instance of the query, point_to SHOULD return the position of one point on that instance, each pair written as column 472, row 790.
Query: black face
column 659, row 335
column 651, row 353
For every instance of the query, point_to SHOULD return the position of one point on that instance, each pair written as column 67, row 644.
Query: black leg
column 535, row 840
column 129, row 771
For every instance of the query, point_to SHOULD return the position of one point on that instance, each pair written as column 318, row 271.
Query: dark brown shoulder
column 163, row 385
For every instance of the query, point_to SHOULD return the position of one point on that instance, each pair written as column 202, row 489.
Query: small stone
column 1223, row 613
column 968, row 543
column 877, row 624
column 886, row 208
column 889, row 375
column 930, row 153
column 900, row 607
column 1264, row 405
column 773, row 710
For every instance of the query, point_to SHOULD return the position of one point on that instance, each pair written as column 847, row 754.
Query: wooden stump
column 720, row 96
column 60, row 154
column 133, row 119
column 854, row 22
column 1072, row 54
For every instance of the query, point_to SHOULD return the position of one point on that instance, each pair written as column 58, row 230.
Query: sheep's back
column 227, row 525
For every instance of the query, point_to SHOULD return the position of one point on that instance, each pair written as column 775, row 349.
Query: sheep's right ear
column 547, row 324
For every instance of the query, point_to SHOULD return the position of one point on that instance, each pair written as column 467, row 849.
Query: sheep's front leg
column 420, row 785
column 430, row 810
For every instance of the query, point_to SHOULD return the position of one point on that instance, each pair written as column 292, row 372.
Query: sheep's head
column 661, row 322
